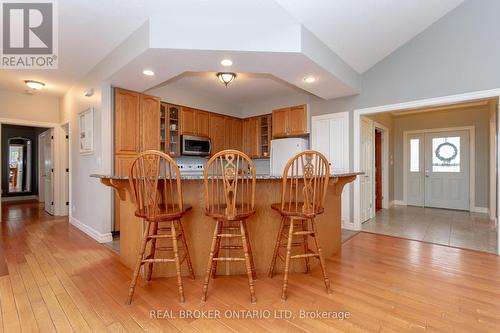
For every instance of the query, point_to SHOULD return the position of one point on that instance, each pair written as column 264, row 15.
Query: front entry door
column 447, row 170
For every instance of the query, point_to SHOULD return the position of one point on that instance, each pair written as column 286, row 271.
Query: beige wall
column 35, row 108
column 477, row 117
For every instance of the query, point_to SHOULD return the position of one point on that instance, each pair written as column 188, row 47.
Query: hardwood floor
column 55, row 278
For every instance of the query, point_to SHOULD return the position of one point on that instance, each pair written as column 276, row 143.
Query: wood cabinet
column 202, row 123
column 137, row 126
column 150, row 123
column 233, row 133
column 195, row 122
column 127, row 129
column 290, row 121
column 217, row 132
column 251, row 137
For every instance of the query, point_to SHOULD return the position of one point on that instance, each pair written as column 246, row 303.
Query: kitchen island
column 263, row 226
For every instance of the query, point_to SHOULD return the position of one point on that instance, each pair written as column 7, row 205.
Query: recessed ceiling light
column 309, row 79
column 148, row 72
column 34, row 85
column 226, row 62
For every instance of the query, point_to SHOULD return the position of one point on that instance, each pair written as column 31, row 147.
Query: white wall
column 195, row 100
column 268, row 105
column 37, row 108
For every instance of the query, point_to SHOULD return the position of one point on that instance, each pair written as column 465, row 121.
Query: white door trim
column 472, row 155
column 357, row 113
column 385, row 166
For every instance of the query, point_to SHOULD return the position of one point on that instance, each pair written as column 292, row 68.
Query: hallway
column 440, row 226
column 60, row 279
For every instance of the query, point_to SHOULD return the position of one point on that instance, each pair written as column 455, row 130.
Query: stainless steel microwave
column 195, row 145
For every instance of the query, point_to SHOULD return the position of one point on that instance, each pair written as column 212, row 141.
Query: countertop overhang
column 201, row 177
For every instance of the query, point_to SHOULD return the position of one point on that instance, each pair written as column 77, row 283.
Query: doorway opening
column 378, row 170
column 441, row 159
column 20, row 162
column 33, row 157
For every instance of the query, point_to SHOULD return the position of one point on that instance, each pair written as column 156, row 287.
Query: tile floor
column 447, row 227
column 347, row 234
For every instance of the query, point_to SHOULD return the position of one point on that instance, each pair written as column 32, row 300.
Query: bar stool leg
column 321, row 258
column 247, row 262
column 306, row 245
column 210, row 261
column 276, row 248
column 138, row 262
column 177, row 262
column 287, row 260
column 250, row 253
column 186, row 249
column 217, row 250
column 152, row 251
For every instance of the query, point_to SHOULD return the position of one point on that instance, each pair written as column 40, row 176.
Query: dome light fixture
column 148, row 72
column 226, row 77
column 34, row 85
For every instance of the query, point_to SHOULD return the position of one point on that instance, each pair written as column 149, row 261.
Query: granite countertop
column 199, row 176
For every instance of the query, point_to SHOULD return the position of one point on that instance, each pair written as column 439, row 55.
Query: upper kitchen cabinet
column 251, row 143
column 195, row 122
column 203, row 123
column 217, row 132
column 170, row 137
column 150, row 123
column 290, row 121
column 127, row 128
column 233, row 133
column 137, row 126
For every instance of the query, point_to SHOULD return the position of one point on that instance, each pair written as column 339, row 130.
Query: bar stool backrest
column 155, row 183
column 305, row 182
column 229, row 184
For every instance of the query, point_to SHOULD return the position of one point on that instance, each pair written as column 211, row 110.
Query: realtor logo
column 29, row 35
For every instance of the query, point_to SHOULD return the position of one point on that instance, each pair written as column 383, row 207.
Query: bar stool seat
column 163, row 215
column 297, row 211
column 220, row 214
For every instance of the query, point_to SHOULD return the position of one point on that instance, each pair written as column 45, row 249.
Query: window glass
column 415, row 155
column 446, row 154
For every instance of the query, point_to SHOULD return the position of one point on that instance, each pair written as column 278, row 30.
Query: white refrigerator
column 284, row 149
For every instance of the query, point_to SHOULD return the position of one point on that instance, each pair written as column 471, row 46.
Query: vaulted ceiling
column 335, row 40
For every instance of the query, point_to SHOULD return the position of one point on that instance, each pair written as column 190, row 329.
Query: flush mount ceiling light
column 148, row 72
column 309, row 79
column 226, row 78
column 226, row 62
column 34, row 85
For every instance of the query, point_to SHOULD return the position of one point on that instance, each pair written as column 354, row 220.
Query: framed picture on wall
column 86, row 131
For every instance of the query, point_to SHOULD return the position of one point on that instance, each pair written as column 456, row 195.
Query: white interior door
column 447, row 163
column 330, row 136
column 47, row 171
column 366, row 180
column 415, row 170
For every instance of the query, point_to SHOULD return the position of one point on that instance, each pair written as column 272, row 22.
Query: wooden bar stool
column 229, row 200
column 303, row 192
column 155, row 182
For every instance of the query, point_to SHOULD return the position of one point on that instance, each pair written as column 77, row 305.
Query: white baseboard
column 484, row 210
column 398, row 203
column 20, row 198
column 101, row 238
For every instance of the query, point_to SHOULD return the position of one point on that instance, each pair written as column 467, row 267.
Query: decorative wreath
column 446, row 160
